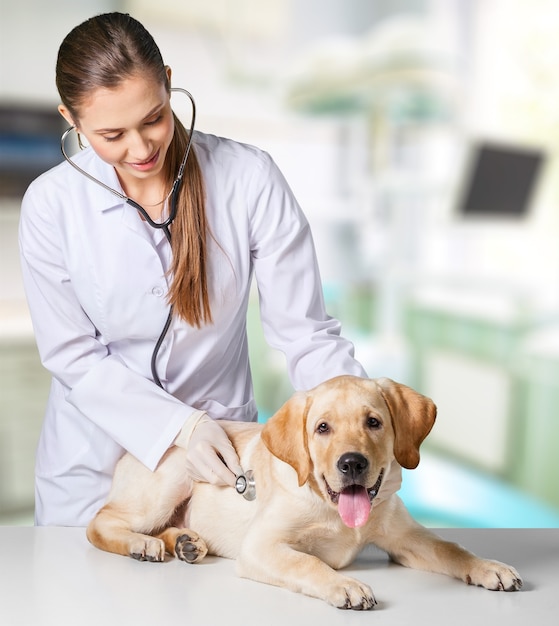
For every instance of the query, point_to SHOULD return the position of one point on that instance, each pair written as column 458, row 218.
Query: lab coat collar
column 89, row 161
column 103, row 200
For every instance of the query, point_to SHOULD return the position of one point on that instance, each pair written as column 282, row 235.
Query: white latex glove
column 211, row 457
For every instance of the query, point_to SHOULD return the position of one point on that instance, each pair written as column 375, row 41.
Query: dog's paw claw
column 354, row 595
column 495, row 576
column 365, row 604
column 149, row 549
column 190, row 548
column 146, row 557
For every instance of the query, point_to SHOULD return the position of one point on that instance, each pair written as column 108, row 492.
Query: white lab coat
column 95, row 278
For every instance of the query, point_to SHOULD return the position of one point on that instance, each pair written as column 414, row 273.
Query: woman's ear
column 169, row 72
column 66, row 115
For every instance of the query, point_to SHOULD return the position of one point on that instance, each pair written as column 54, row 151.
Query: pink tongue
column 354, row 506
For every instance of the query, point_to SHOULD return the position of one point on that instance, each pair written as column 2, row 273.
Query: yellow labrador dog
column 319, row 464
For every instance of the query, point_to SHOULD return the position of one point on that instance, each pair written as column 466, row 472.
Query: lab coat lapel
column 153, row 236
column 130, row 216
column 103, row 200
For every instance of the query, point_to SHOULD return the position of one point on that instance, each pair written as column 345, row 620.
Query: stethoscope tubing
column 176, row 184
column 173, row 195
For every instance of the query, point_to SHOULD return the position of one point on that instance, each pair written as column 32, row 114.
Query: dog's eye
column 322, row 428
column 373, row 423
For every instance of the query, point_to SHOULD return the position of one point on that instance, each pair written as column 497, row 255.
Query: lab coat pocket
column 244, row 413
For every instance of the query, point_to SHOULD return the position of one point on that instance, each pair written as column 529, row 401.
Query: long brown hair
column 102, row 52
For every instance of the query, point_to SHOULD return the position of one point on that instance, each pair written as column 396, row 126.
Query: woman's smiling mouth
column 143, row 166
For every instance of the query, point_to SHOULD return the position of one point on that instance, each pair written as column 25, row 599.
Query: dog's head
column 342, row 436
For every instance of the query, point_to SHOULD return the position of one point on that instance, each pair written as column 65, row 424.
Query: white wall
column 30, row 34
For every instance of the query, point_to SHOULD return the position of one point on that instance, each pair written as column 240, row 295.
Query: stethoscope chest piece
column 246, row 485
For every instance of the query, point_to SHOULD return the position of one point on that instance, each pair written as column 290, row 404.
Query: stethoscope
column 245, row 484
column 172, row 195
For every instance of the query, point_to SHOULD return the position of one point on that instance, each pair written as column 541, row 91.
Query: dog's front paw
column 352, row 594
column 190, row 547
column 494, row 575
column 145, row 548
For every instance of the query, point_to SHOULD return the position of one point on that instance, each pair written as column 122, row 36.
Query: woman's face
column 130, row 127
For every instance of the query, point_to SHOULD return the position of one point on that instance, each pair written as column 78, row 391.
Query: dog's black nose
column 352, row 464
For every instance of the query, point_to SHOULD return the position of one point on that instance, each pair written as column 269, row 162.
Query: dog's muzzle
column 354, row 501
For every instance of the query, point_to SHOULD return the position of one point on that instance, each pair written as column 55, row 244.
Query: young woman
column 100, row 279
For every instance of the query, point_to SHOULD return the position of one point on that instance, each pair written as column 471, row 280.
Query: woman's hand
column 211, row 457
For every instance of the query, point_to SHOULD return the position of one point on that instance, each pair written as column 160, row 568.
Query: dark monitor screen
column 29, row 145
column 500, row 182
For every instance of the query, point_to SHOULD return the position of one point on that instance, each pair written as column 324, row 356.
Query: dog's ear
column 285, row 435
column 413, row 416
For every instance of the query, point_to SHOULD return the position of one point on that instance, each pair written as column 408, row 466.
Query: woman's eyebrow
column 115, row 130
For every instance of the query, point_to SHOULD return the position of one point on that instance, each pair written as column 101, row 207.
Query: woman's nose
column 140, row 147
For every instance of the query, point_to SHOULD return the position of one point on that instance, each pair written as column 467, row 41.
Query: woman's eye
column 154, row 121
column 113, row 137
column 322, row 428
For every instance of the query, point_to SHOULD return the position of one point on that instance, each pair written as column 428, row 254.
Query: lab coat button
column 157, row 291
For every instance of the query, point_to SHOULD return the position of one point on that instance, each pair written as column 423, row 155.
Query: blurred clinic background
column 421, row 138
